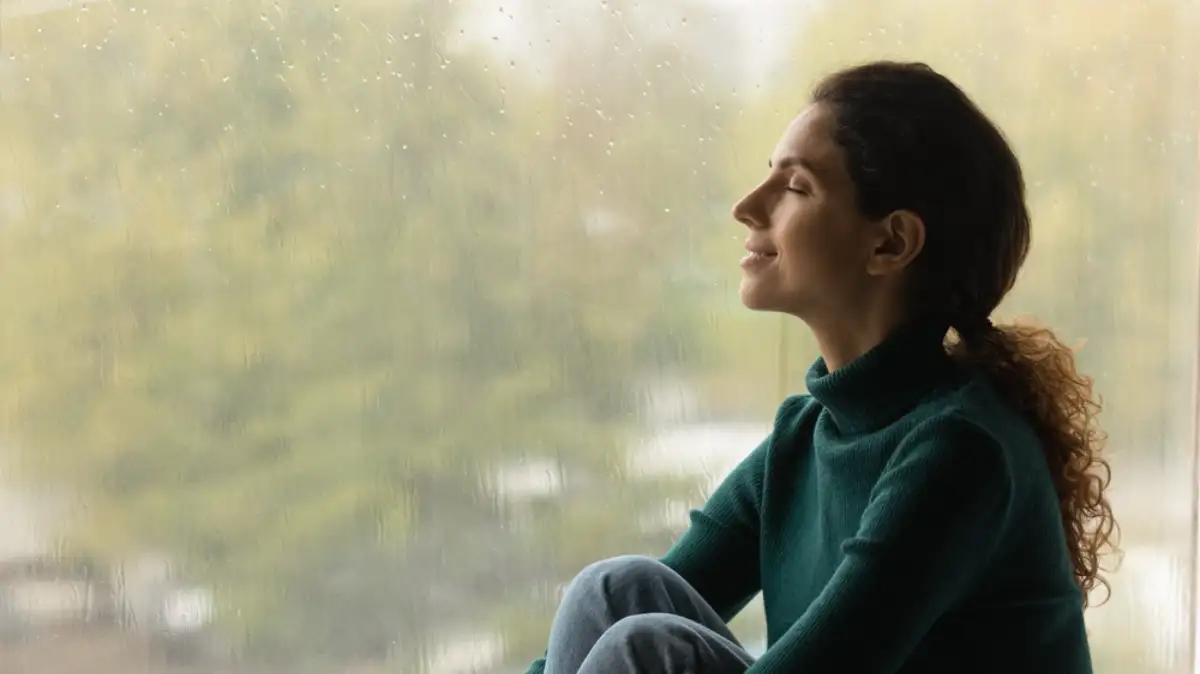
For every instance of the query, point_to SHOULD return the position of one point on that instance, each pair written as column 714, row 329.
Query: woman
column 936, row 502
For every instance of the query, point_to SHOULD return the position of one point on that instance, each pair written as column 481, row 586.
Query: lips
column 760, row 249
column 760, row 255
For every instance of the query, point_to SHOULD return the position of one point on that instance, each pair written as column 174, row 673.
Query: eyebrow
column 792, row 160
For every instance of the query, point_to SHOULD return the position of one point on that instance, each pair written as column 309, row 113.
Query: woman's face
column 808, row 245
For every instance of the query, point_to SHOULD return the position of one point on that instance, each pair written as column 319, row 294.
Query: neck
column 881, row 384
column 846, row 340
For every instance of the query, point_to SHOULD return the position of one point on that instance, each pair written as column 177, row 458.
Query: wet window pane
column 338, row 335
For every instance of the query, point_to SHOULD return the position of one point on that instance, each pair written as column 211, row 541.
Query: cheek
column 803, row 243
column 819, row 251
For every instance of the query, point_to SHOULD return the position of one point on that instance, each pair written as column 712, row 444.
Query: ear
column 897, row 240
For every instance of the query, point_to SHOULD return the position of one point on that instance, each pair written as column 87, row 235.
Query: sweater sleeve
column 718, row 555
column 932, row 523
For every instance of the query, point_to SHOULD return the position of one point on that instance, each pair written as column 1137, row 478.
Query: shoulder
column 793, row 412
column 949, row 431
column 971, row 428
column 950, row 462
column 976, row 407
column 789, row 420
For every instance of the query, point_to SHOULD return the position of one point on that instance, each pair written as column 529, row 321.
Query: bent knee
column 665, row 643
column 656, row 640
column 622, row 571
column 649, row 627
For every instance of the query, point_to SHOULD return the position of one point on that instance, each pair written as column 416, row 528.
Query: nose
column 749, row 210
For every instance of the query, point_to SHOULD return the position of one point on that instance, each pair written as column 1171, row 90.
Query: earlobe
column 901, row 238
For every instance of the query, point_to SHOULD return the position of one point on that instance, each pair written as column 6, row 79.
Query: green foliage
column 297, row 282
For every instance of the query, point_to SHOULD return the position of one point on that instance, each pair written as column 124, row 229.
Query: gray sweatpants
column 633, row 615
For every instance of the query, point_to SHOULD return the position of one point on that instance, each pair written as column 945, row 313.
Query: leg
column 663, row 643
column 607, row 592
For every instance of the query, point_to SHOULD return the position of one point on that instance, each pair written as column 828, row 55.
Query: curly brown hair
column 912, row 140
column 1036, row 373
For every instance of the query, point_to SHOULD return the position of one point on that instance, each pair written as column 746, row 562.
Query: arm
column 933, row 521
column 719, row 553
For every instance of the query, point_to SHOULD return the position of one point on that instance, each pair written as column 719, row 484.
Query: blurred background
column 338, row 334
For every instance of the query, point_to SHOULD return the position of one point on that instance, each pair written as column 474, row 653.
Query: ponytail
column 1035, row 373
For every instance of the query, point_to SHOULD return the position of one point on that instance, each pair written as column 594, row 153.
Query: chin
column 756, row 300
column 756, row 297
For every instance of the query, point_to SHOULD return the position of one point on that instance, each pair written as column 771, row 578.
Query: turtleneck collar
column 880, row 386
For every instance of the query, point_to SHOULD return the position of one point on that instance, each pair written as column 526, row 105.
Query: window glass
column 339, row 334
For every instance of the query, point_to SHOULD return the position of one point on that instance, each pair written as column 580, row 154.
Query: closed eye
column 797, row 190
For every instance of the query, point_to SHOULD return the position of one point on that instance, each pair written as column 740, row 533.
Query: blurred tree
column 300, row 285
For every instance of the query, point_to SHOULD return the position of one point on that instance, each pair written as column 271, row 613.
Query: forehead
column 809, row 140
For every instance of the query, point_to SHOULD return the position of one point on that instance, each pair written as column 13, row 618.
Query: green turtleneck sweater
column 899, row 519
